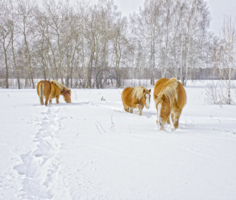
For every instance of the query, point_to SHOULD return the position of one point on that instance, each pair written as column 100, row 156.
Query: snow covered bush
column 216, row 93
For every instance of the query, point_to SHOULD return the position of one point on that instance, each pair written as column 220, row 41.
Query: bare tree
column 89, row 44
column 227, row 55
column 56, row 13
column 145, row 31
column 25, row 12
column 5, row 35
column 14, row 35
column 41, row 45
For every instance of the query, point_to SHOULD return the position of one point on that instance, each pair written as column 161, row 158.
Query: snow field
column 93, row 149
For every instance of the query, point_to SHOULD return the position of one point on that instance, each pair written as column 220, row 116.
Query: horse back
column 159, row 86
column 55, row 90
column 127, row 94
column 180, row 91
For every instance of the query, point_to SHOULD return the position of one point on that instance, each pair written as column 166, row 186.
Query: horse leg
column 140, row 109
column 176, row 118
column 50, row 101
column 57, row 98
column 41, row 93
column 172, row 117
column 46, row 100
column 41, row 100
column 168, row 120
column 130, row 110
column 126, row 108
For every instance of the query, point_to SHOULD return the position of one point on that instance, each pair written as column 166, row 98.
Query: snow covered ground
column 93, row 149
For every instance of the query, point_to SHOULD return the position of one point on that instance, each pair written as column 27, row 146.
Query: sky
column 218, row 8
column 221, row 9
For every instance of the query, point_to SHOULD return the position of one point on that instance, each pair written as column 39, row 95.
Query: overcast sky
column 218, row 9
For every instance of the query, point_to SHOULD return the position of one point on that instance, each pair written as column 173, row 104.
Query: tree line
column 93, row 45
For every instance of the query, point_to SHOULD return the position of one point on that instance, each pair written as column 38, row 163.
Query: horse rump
column 41, row 93
column 43, row 90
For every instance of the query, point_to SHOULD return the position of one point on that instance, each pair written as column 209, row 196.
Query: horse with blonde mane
column 53, row 89
column 137, row 97
column 170, row 98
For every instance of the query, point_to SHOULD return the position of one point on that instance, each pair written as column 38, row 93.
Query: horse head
column 66, row 95
column 163, row 109
column 146, row 98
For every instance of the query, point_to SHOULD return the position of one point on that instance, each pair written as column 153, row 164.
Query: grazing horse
column 170, row 98
column 53, row 89
column 137, row 97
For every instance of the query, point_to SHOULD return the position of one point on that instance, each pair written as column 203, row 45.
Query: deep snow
column 93, row 149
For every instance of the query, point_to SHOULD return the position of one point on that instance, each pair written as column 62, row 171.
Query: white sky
column 218, row 9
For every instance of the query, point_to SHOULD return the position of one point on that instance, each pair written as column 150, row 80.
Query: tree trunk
column 90, row 65
column 29, row 59
column 14, row 60
column 6, row 64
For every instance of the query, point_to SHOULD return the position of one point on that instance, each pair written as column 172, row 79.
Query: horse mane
column 138, row 92
column 169, row 89
column 62, row 87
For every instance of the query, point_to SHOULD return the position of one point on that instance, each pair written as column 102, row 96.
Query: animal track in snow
column 40, row 167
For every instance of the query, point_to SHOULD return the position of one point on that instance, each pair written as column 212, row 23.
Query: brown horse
column 137, row 97
column 170, row 98
column 53, row 89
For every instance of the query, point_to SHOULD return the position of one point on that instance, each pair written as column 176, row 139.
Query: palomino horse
column 53, row 89
column 170, row 98
column 137, row 97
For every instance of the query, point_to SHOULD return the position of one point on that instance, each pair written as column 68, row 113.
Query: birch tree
column 6, row 36
column 227, row 55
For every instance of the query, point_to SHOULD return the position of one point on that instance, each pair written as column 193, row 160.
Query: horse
column 53, row 89
column 170, row 98
column 137, row 97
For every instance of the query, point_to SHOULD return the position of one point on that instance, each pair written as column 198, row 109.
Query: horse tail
column 41, row 93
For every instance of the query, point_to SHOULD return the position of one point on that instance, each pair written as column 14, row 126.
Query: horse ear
column 70, row 91
column 150, row 90
column 163, row 97
column 143, row 90
column 155, row 96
